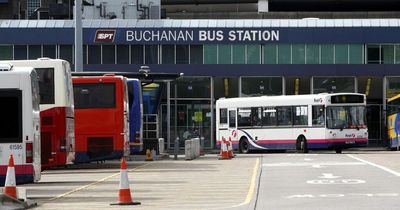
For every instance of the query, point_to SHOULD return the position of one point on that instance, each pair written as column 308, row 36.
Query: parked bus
column 301, row 122
column 19, row 123
column 56, row 109
column 135, row 115
column 101, row 118
column 393, row 121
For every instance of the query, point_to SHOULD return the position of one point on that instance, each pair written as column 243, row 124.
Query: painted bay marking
column 376, row 165
column 340, row 181
column 328, row 176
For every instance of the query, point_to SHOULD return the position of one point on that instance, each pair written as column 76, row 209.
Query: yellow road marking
column 93, row 183
column 252, row 184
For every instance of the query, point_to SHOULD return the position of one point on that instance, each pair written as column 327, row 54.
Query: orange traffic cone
column 224, row 154
column 10, row 188
column 230, row 148
column 124, row 197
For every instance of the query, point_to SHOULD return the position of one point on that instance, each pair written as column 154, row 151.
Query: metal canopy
column 142, row 76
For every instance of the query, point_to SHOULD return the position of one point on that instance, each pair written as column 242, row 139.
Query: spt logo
column 104, row 36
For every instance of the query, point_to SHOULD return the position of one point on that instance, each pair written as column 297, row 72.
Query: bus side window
column 318, row 115
column 223, row 116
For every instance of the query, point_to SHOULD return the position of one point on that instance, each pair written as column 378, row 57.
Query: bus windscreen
column 11, row 116
column 94, row 95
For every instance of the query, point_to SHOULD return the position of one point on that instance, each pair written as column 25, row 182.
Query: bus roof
column 279, row 100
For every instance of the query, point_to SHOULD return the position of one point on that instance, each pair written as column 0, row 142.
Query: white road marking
column 308, row 159
column 336, row 181
column 376, row 165
column 328, row 176
column 315, row 165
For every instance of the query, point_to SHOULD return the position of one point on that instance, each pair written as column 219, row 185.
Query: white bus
column 56, row 110
column 302, row 122
column 19, row 123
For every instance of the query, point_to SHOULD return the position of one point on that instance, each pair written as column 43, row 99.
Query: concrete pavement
column 204, row 183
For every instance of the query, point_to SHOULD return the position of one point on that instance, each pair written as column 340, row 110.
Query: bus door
column 232, row 130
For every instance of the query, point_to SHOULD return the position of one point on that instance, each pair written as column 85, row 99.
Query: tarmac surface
column 203, row 183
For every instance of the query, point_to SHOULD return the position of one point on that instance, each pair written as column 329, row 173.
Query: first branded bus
column 56, row 109
column 19, row 123
column 302, row 122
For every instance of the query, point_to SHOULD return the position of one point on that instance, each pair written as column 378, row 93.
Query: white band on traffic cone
column 123, row 184
column 10, row 177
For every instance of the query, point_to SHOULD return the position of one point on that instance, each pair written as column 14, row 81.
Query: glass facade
column 214, row 53
column 258, row 86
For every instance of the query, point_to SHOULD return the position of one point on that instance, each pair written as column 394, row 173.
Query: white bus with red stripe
column 56, row 110
column 302, row 122
column 19, row 123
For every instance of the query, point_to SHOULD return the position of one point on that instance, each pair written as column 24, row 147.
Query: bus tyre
column 338, row 150
column 301, row 144
column 244, row 146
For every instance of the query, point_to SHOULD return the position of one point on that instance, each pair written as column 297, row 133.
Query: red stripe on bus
column 19, row 169
column 286, row 141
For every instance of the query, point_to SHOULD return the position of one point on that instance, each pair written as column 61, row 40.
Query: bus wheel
column 243, row 146
column 338, row 150
column 301, row 144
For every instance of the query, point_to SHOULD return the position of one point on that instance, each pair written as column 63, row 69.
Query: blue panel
column 378, row 70
column 332, row 35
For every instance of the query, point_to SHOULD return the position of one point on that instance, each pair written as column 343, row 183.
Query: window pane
column 257, row 86
column 244, row 119
column 196, row 54
column 11, row 116
column 137, row 54
column 151, row 54
column 232, row 119
column 190, row 87
column 94, row 95
column 20, row 52
column 6, row 52
column 223, row 116
column 108, row 54
column 300, row 115
column 66, row 53
column 94, row 53
column 312, row 54
column 122, row 54
column 356, row 54
column 341, row 54
column 84, row 53
column 182, row 54
column 270, row 54
column 333, row 84
column 284, row 115
column 397, row 53
column 239, row 54
column 46, row 85
column 326, row 54
column 168, row 54
column 253, row 54
column 269, row 116
column 49, row 51
column 35, row 51
column 210, row 54
column 318, row 115
column 284, row 54
column 298, row 53
column 224, row 54
column 393, row 86
column 388, row 54
column 373, row 54
column 256, row 115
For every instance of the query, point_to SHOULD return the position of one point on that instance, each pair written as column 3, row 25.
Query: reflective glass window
column 253, row 54
column 239, row 54
column 270, row 54
column 210, row 54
